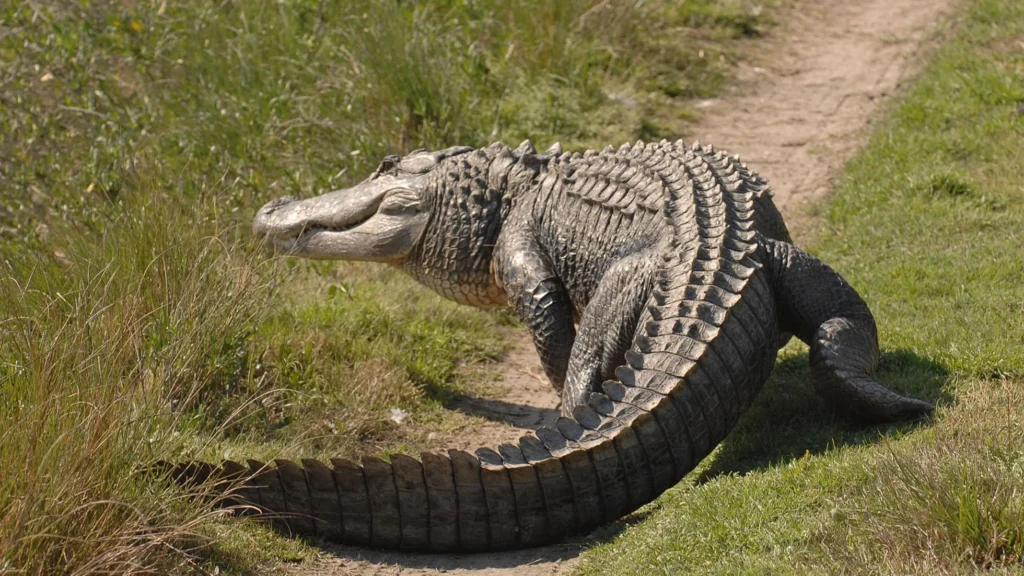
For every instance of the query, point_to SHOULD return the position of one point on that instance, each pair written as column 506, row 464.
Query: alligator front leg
column 540, row 300
column 607, row 328
column 821, row 309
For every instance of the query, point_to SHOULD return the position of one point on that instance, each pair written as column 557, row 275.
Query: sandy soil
column 796, row 117
column 522, row 399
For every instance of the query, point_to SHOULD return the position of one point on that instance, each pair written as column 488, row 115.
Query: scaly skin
column 656, row 280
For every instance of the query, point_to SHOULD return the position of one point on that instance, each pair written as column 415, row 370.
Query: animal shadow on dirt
column 789, row 420
column 512, row 559
column 519, row 415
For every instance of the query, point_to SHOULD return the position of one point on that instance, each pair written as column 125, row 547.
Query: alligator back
column 705, row 346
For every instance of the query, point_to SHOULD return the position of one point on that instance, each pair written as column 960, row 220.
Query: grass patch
column 136, row 323
column 947, row 501
column 231, row 103
column 105, row 344
column 927, row 223
column 338, row 358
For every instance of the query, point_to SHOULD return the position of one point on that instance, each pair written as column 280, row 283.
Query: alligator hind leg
column 607, row 328
column 821, row 309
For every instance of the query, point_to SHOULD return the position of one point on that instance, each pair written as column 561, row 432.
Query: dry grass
column 105, row 343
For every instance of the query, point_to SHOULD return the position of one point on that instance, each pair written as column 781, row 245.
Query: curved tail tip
column 913, row 409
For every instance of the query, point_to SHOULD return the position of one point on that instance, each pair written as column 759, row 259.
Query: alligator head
column 379, row 220
column 437, row 215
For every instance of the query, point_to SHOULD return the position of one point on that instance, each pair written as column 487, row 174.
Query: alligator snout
column 272, row 221
column 286, row 219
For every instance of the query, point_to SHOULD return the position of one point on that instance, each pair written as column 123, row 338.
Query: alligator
column 658, row 282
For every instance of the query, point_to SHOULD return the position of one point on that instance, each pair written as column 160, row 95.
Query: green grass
column 138, row 322
column 230, row 103
column 928, row 224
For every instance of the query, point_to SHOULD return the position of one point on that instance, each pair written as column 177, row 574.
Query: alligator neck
column 472, row 198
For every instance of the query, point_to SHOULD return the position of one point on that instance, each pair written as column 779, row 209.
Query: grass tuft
column 105, row 343
column 951, row 500
column 952, row 185
column 945, row 501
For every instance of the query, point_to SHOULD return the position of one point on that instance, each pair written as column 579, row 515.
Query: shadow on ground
column 509, row 560
column 450, row 562
column 788, row 420
column 518, row 415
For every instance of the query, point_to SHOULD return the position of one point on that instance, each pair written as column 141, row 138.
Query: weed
column 105, row 341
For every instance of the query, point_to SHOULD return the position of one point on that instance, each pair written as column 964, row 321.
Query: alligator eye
column 388, row 164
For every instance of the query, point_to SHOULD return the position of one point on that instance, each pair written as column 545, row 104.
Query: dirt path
column 796, row 116
column 523, row 399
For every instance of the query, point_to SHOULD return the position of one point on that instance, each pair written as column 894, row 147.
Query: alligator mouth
column 311, row 230
column 339, row 225
column 287, row 224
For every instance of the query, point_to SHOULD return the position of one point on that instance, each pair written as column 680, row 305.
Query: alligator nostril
column 273, row 205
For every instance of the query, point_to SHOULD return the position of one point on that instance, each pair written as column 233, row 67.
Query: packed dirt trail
column 797, row 113
column 799, row 118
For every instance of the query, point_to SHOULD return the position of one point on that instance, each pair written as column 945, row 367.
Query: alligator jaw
column 344, row 225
